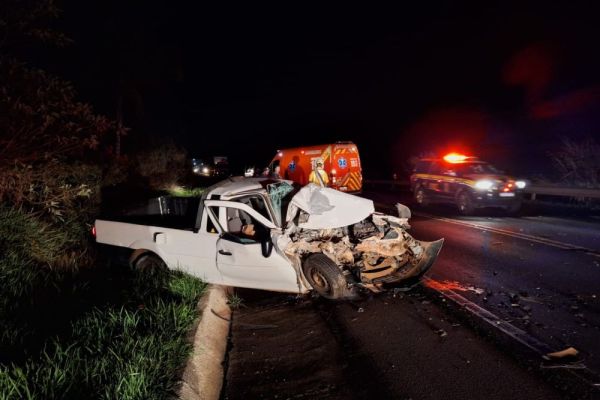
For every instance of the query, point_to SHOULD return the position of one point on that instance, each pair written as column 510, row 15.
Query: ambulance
column 340, row 161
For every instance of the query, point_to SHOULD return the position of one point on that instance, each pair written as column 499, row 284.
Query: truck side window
column 245, row 228
column 210, row 227
column 257, row 203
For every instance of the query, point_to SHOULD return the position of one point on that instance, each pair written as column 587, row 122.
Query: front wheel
column 464, row 202
column 325, row 277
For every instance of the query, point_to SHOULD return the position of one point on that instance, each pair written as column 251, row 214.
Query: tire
column 464, row 203
column 514, row 208
column 325, row 277
column 421, row 197
column 151, row 270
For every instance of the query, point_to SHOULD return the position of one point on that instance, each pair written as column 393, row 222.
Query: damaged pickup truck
column 269, row 234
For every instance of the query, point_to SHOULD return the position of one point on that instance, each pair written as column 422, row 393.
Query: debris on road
column 566, row 359
column 443, row 286
column 568, row 352
column 441, row 333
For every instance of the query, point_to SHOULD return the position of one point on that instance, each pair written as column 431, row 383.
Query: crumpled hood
column 328, row 208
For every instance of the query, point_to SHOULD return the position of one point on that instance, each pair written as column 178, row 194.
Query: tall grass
column 95, row 332
column 181, row 191
column 131, row 351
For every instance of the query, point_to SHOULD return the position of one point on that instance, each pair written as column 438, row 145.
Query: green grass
column 73, row 329
column 133, row 350
column 180, row 191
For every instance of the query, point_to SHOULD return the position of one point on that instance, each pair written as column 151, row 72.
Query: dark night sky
column 500, row 81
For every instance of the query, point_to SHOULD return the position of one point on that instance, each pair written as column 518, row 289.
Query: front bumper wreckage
column 372, row 253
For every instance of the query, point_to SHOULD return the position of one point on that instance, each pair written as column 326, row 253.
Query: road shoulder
column 203, row 374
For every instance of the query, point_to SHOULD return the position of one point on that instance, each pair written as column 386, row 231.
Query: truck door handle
column 225, row 253
column 159, row 238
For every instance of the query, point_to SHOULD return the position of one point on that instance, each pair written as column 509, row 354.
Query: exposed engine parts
column 374, row 251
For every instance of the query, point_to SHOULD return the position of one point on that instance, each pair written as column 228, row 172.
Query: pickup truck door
column 243, row 260
column 189, row 251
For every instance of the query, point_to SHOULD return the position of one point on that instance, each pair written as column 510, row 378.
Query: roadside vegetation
column 577, row 163
column 71, row 325
column 111, row 334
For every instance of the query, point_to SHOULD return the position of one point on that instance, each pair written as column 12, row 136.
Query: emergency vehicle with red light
column 465, row 181
column 340, row 161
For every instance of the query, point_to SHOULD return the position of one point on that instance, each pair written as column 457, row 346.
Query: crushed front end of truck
column 370, row 248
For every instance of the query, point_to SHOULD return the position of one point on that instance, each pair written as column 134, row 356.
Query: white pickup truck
column 269, row 234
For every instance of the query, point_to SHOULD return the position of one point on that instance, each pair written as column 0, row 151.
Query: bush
column 578, row 163
column 162, row 166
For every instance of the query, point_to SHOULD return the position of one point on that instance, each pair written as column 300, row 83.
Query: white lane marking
column 524, row 236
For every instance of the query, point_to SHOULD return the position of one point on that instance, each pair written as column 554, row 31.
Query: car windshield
column 478, row 168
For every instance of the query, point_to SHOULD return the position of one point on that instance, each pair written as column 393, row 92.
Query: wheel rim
column 420, row 196
column 320, row 281
column 463, row 202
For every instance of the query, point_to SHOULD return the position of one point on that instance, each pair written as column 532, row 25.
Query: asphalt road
column 540, row 273
column 537, row 274
column 390, row 346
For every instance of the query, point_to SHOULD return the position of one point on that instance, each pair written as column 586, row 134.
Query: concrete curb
column 203, row 375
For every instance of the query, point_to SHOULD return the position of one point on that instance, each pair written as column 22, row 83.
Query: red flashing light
column 455, row 157
column 94, row 231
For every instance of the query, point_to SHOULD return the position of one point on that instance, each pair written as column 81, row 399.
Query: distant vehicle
column 341, row 162
column 249, row 172
column 219, row 167
column 269, row 234
column 465, row 181
column 201, row 167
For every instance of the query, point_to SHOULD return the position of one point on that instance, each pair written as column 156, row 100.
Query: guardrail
column 562, row 191
column 534, row 190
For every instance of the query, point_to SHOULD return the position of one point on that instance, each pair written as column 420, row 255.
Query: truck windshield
column 281, row 194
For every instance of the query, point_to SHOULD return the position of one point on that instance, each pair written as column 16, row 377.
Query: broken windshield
column 281, row 194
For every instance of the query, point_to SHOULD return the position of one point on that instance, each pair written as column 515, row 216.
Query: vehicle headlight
column 484, row 184
column 205, row 170
column 520, row 184
column 196, row 169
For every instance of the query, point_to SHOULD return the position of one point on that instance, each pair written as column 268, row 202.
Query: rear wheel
column 325, row 277
column 150, row 271
column 421, row 197
column 464, row 202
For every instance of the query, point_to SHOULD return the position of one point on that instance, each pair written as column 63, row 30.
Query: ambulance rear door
column 346, row 171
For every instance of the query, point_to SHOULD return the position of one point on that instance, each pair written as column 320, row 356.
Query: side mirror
column 266, row 246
